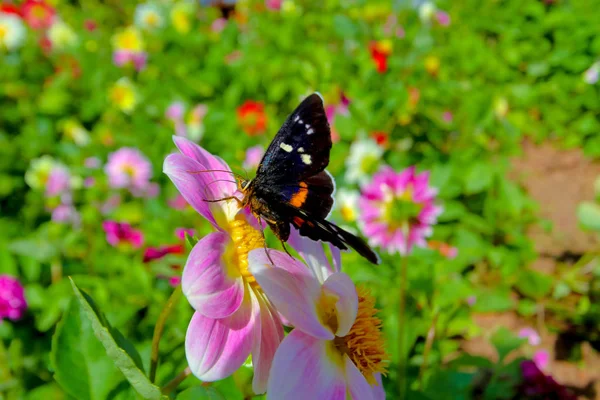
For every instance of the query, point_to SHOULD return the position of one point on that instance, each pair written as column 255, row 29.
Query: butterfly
column 292, row 187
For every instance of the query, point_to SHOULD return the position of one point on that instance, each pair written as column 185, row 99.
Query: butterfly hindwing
column 301, row 147
column 313, row 194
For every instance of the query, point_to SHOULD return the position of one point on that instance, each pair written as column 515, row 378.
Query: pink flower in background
column 541, row 358
column 450, row 252
column 128, row 168
column 533, row 338
column 59, row 181
column 156, row 253
column 442, row 18
column 218, row 25
column 253, row 156
column 175, row 281
column 175, row 111
column 398, row 210
column 180, row 232
column 90, row 25
column 178, row 202
column 89, row 182
column 447, row 117
column 12, row 298
column 471, row 300
column 66, row 213
column 38, row 14
column 232, row 316
column 138, row 59
column 121, row 233
column 110, row 204
column 336, row 347
column 274, row 5
column 92, row 162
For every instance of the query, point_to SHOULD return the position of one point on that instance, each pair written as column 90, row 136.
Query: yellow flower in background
column 129, row 39
column 39, row 171
column 180, row 17
column 61, row 36
column 124, row 95
column 74, row 131
column 501, row 107
column 432, row 65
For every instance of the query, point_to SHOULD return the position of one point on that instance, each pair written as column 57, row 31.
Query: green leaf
column 505, row 342
column 75, row 348
column 478, row 178
column 588, row 215
column 200, row 393
column 534, row 284
column 122, row 359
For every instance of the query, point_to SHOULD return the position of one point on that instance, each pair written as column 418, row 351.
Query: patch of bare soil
column 558, row 180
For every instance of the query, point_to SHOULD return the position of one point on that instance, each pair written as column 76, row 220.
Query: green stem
column 172, row 385
column 402, row 329
column 428, row 345
column 159, row 328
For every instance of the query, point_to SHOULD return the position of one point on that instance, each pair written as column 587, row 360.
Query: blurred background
column 497, row 100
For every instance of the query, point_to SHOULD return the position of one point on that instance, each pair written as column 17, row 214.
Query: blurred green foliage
column 504, row 70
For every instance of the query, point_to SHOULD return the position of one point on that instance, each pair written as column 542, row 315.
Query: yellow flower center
column 152, row 19
column 3, row 32
column 364, row 343
column 245, row 238
column 348, row 213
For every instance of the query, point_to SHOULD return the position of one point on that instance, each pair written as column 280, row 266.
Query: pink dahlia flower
column 119, row 233
column 398, row 210
column 12, row 298
column 128, row 168
column 336, row 347
column 233, row 318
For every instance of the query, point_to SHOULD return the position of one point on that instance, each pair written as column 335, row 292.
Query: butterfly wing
column 320, row 229
column 301, row 147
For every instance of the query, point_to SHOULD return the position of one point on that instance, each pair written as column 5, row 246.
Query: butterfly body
column 292, row 187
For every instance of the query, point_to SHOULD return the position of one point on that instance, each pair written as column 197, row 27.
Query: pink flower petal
column 191, row 186
column 206, row 282
column 358, row 386
column 292, row 288
column 303, row 369
column 216, row 348
column 341, row 286
column 312, row 253
column 222, row 184
column 269, row 335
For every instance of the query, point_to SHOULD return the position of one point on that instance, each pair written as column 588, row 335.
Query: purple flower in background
column 59, row 181
column 12, row 298
column 92, row 162
column 531, row 335
column 471, row 300
column 175, row 111
column 398, row 210
column 128, row 168
column 538, row 385
column 590, row 76
column 253, row 156
column 119, row 233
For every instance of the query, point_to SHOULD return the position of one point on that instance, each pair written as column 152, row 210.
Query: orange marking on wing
column 299, row 198
column 298, row 221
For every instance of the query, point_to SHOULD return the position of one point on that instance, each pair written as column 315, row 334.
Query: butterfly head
column 244, row 185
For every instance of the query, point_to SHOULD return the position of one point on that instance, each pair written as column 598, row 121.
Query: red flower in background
column 38, row 14
column 156, row 253
column 380, row 51
column 10, row 9
column 251, row 116
column 381, row 138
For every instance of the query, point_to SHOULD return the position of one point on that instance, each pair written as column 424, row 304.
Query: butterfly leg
column 262, row 231
column 240, row 203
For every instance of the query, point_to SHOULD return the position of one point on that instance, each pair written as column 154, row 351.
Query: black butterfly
column 291, row 185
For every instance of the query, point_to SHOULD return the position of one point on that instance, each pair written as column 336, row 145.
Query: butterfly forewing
column 301, row 147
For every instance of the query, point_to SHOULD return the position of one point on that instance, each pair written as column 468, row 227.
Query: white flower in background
column 39, row 171
column 347, row 203
column 427, row 12
column 61, row 35
column 12, row 32
column 73, row 130
column 148, row 17
column 363, row 161
column 590, row 76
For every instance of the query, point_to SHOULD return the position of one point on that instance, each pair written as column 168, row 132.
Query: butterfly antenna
column 222, row 180
column 238, row 176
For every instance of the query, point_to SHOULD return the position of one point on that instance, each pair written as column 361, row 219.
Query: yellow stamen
column 245, row 238
column 364, row 343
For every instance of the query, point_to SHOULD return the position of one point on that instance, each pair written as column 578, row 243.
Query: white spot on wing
column 301, row 121
column 306, row 159
column 307, row 126
column 286, row 147
column 297, row 118
column 310, row 131
column 300, row 149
